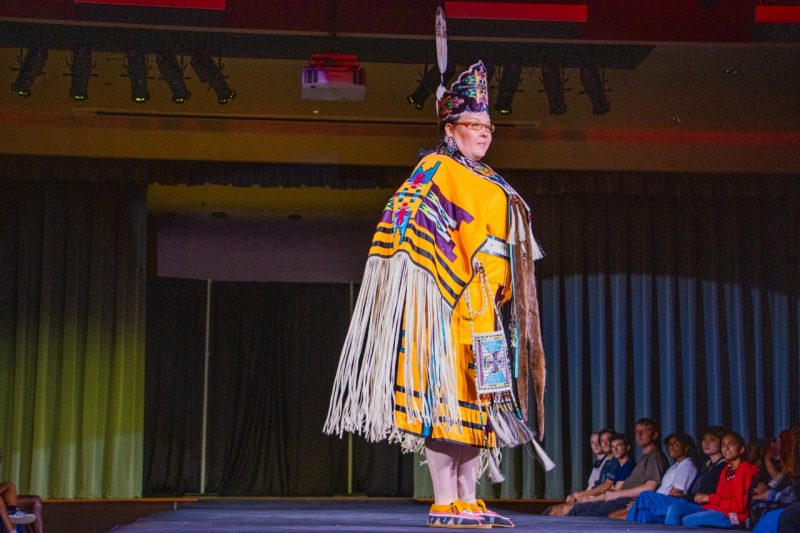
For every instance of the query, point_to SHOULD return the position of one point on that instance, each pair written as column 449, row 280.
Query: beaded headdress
column 470, row 92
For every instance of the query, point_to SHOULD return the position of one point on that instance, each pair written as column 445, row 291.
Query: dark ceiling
column 692, row 88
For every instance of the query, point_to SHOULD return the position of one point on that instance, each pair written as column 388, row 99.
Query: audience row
column 730, row 484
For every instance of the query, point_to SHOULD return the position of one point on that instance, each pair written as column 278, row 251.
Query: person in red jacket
column 727, row 507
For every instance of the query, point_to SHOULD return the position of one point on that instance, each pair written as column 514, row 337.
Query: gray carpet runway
column 344, row 514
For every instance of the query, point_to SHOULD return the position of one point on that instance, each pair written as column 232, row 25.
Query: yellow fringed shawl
column 420, row 263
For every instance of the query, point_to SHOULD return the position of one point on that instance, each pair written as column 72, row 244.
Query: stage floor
column 343, row 514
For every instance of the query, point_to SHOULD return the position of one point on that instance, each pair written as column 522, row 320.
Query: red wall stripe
column 778, row 14
column 176, row 4
column 515, row 11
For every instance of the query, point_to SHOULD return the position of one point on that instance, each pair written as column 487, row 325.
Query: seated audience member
column 679, row 477
column 754, row 453
column 32, row 505
column 10, row 513
column 645, row 476
column 649, row 507
column 599, row 459
column 608, row 466
column 621, row 449
column 781, row 491
column 8, row 526
column 620, row 468
column 727, row 507
column 774, row 487
column 790, row 517
column 710, row 468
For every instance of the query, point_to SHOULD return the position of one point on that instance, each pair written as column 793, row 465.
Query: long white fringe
column 546, row 462
column 408, row 443
column 489, row 461
column 362, row 400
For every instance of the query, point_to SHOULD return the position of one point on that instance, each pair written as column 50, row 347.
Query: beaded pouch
column 491, row 361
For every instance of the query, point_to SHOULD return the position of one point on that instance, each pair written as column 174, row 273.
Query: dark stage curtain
column 175, row 347
column 274, row 351
column 72, row 288
column 273, row 362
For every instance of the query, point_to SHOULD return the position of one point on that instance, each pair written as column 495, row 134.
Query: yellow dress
column 472, row 409
column 407, row 370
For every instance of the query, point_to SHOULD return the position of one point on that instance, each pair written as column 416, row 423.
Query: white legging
column 454, row 470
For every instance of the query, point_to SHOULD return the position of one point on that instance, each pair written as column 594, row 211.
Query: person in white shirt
column 679, row 477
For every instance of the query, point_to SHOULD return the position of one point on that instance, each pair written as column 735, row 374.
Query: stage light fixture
column 172, row 72
column 594, row 85
column 81, row 69
column 428, row 83
column 553, row 83
column 31, row 66
column 509, row 82
column 137, row 72
column 210, row 73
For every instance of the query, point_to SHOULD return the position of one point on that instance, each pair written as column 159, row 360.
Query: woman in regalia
column 427, row 361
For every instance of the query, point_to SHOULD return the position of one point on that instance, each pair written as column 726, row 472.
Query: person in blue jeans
column 728, row 506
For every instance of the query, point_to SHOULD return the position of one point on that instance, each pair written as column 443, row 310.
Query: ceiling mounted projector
column 335, row 77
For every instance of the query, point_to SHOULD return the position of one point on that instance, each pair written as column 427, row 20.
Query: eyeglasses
column 477, row 126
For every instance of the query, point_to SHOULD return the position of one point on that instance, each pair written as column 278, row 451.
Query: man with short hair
column 645, row 476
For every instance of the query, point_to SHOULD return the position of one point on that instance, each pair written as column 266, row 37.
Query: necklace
column 486, row 295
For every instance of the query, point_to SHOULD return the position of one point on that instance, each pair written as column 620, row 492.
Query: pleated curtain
column 681, row 307
column 72, row 272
